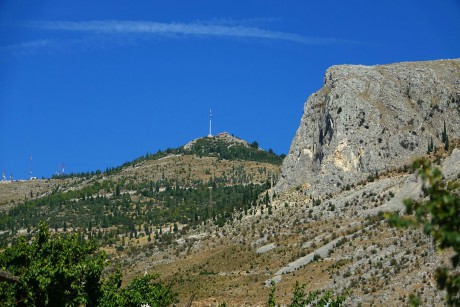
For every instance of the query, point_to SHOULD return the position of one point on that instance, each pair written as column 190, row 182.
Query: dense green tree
column 52, row 270
column 446, row 143
column 117, row 190
column 444, row 133
column 445, row 137
column 439, row 215
column 57, row 270
column 430, row 146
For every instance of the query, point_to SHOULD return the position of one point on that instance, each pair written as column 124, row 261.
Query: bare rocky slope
column 367, row 119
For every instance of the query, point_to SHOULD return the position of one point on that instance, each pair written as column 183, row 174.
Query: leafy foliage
column 440, row 217
column 52, row 271
column 59, row 270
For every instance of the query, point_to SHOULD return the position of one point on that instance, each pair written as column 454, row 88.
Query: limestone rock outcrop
column 367, row 119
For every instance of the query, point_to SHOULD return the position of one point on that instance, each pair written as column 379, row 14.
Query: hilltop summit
column 228, row 147
column 223, row 136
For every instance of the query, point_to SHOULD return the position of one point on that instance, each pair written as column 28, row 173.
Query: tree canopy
column 57, row 270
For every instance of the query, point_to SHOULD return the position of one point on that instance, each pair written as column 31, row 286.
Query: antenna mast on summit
column 60, row 170
column 210, row 123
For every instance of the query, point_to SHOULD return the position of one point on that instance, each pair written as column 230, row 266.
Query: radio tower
column 63, row 170
column 210, row 124
column 3, row 175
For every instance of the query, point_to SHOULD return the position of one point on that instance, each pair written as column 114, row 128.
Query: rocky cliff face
column 366, row 119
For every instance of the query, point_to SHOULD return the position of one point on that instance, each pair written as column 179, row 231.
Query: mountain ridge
column 368, row 119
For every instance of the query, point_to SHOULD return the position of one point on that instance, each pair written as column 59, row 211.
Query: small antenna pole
column 210, row 123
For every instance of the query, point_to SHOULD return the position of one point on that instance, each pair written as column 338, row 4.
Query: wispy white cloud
column 103, row 33
column 29, row 47
column 68, row 45
column 116, row 27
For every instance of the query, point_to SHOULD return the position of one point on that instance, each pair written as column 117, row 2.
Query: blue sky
column 94, row 84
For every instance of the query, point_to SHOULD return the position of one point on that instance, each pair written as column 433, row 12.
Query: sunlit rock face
column 367, row 119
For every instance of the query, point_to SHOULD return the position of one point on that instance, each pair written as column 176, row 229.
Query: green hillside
column 183, row 187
